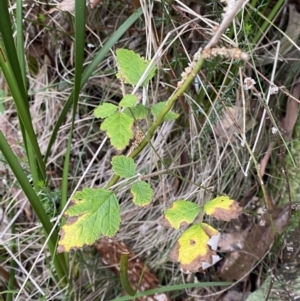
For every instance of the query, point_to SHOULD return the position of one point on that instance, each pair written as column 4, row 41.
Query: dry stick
column 230, row 14
column 264, row 161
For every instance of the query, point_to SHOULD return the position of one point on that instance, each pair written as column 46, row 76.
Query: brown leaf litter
column 138, row 273
column 253, row 244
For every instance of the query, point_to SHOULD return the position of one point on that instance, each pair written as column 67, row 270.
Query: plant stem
column 268, row 21
column 171, row 101
column 124, row 275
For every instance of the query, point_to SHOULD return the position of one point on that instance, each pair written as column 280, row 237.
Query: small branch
column 267, row 199
column 187, row 78
column 229, row 16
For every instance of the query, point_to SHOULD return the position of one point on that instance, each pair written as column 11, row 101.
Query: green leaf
column 132, row 66
column 93, row 212
column 142, row 193
column 182, row 213
column 92, row 66
column 2, row 97
column 196, row 248
column 157, row 108
column 139, row 111
column 105, row 110
column 118, row 128
column 129, row 100
column 41, row 18
column 123, row 166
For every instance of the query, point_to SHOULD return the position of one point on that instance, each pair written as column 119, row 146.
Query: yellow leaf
column 196, row 248
column 93, row 212
column 223, row 208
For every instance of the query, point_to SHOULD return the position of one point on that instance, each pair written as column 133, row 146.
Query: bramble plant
column 96, row 212
column 133, row 125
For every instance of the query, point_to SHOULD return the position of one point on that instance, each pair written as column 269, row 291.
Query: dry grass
column 210, row 155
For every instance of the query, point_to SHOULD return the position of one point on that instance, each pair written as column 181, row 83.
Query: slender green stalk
column 124, row 275
column 268, row 21
column 172, row 288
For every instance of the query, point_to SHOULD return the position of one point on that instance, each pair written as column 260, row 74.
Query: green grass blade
column 171, row 288
column 80, row 14
column 90, row 69
column 7, row 36
column 15, row 76
column 268, row 21
column 22, row 109
column 20, row 40
column 35, row 203
column 21, row 56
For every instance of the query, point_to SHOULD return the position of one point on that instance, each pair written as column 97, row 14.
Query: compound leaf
column 223, row 208
column 105, row 110
column 138, row 112
column 93, row 212
column 157, row 108
column 129, row 100
column 142, row 193
column 132, row 67
column 123, row 166
column 118, row 128
column 182, row 213
column 196, row 248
